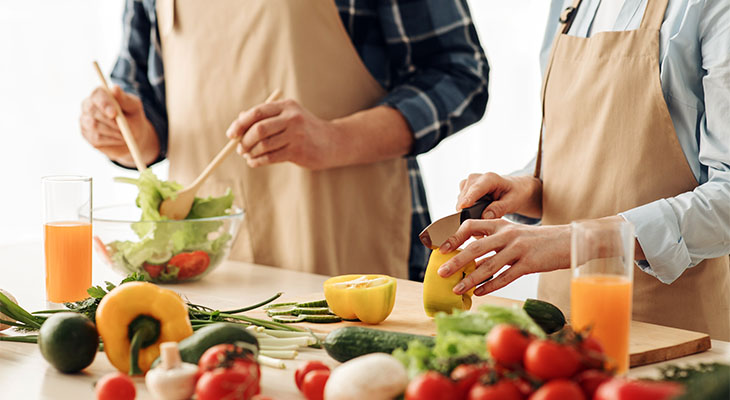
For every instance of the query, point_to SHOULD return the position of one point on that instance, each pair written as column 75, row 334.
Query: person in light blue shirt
column 673, row 234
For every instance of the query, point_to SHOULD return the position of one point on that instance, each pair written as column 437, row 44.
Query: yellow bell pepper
column 438, row 292
column 134, row 318
column 369, row 298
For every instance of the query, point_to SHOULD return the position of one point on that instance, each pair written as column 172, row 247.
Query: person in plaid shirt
column 425, row 54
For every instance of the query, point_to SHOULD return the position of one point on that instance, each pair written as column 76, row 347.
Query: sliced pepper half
column 438, row 292
column 369, row 298
column 134, row 318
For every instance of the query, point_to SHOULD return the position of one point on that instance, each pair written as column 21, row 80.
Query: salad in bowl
column 139, row 239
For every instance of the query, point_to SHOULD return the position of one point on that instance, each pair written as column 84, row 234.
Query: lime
column 68, row 341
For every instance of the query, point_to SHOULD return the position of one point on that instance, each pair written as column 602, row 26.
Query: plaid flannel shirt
column 425, row 53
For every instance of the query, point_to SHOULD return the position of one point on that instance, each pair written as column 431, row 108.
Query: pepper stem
column 144, row 332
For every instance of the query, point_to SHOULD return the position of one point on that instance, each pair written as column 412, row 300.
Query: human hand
column 523, row 249
column 284, row 131
column 511, row 194
column 99, row 128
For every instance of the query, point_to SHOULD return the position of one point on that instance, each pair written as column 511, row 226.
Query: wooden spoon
column 179, row 207
column 123, row 124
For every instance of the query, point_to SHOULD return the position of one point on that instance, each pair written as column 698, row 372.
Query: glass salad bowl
column 163, row 251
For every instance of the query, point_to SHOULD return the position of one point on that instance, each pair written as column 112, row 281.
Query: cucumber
column 192, row 347
column 279, row 305
column 282, row 310
column 321, row 319
column 287, row 319
column 313, row 304
column 549, row 317
column 346, row 343
column 68, row 341
column 312, row 311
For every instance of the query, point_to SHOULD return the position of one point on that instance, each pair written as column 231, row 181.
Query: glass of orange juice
column 67, row 237
column 602, row 265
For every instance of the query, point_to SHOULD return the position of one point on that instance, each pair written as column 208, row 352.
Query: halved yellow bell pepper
column 134, row 318
column 438, row 292
column 369, row 298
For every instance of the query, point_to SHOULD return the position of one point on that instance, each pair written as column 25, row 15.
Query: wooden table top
column 27, row 375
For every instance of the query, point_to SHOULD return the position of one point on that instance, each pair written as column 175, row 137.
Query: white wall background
column 46, row 49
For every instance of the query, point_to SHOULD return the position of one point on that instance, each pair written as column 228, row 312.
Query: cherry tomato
column 622, row 389
column 590, row 379
column 153, row 269
column 313, row 384
column 592, row 354
column 307, row 367
column 115, row 386
column 507, row 344
column 559, row 389
column 190, row 264
column 502, row 390
column 466, row 375
column 430, row 386
column 524, row 386
column 546, row 359
column 240, row 382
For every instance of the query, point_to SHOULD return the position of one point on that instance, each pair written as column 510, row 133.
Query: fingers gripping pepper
column 438, row 292
column 134, row 318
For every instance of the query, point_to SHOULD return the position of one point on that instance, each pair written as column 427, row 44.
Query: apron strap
column 566, row 19
column 654, row 14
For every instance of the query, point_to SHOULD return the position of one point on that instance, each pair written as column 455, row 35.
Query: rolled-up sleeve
column 138, row 69
column 440, row 70
column 679, row 232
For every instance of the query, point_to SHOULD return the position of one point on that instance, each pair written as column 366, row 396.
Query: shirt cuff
column 420, row 114
column 657, row 230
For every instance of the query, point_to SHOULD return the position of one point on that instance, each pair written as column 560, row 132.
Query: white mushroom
column 172, row 379
column 376, row 376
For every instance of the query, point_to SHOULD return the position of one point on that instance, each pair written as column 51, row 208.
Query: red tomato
column 622, row 389
column 502, row 390
column 559, row 389
column 546, row 359
column 313, row 384
column 190, row 264
column 225, row 355
column 507, row 344
column 590, row 379
column 307, row 367
column 237, row 383
column 430, row 386
column 592, row 353
column 153, row 269
column 524, row 386
column 466, row 375
column 115, row 386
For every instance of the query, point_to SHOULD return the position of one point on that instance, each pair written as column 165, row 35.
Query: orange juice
column 603, row 302
column 68, row 260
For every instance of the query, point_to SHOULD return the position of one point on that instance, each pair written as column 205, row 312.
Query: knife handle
column 475, row 211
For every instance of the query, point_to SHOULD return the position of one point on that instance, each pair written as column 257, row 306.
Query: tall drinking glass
column 67, row 236
column 602, row 264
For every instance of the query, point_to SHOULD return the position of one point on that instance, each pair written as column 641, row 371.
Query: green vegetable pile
column 460, row 338
column 159, row 242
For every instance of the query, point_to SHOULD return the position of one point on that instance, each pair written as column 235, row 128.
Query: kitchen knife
column 436, row 234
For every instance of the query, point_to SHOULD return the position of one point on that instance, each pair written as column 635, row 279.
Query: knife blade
column 443, row 228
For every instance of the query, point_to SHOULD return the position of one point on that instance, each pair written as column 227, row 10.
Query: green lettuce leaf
column 159, row 240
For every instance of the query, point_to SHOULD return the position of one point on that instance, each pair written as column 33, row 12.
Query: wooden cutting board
column 649, row 343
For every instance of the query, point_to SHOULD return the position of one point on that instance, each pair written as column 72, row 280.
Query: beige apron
column 225, row 56
column 609, row 145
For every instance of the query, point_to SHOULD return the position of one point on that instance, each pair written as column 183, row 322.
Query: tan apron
column 609, row 145
column 225, row 56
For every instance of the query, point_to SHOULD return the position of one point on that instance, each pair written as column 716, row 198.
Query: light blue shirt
column 677, row 233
